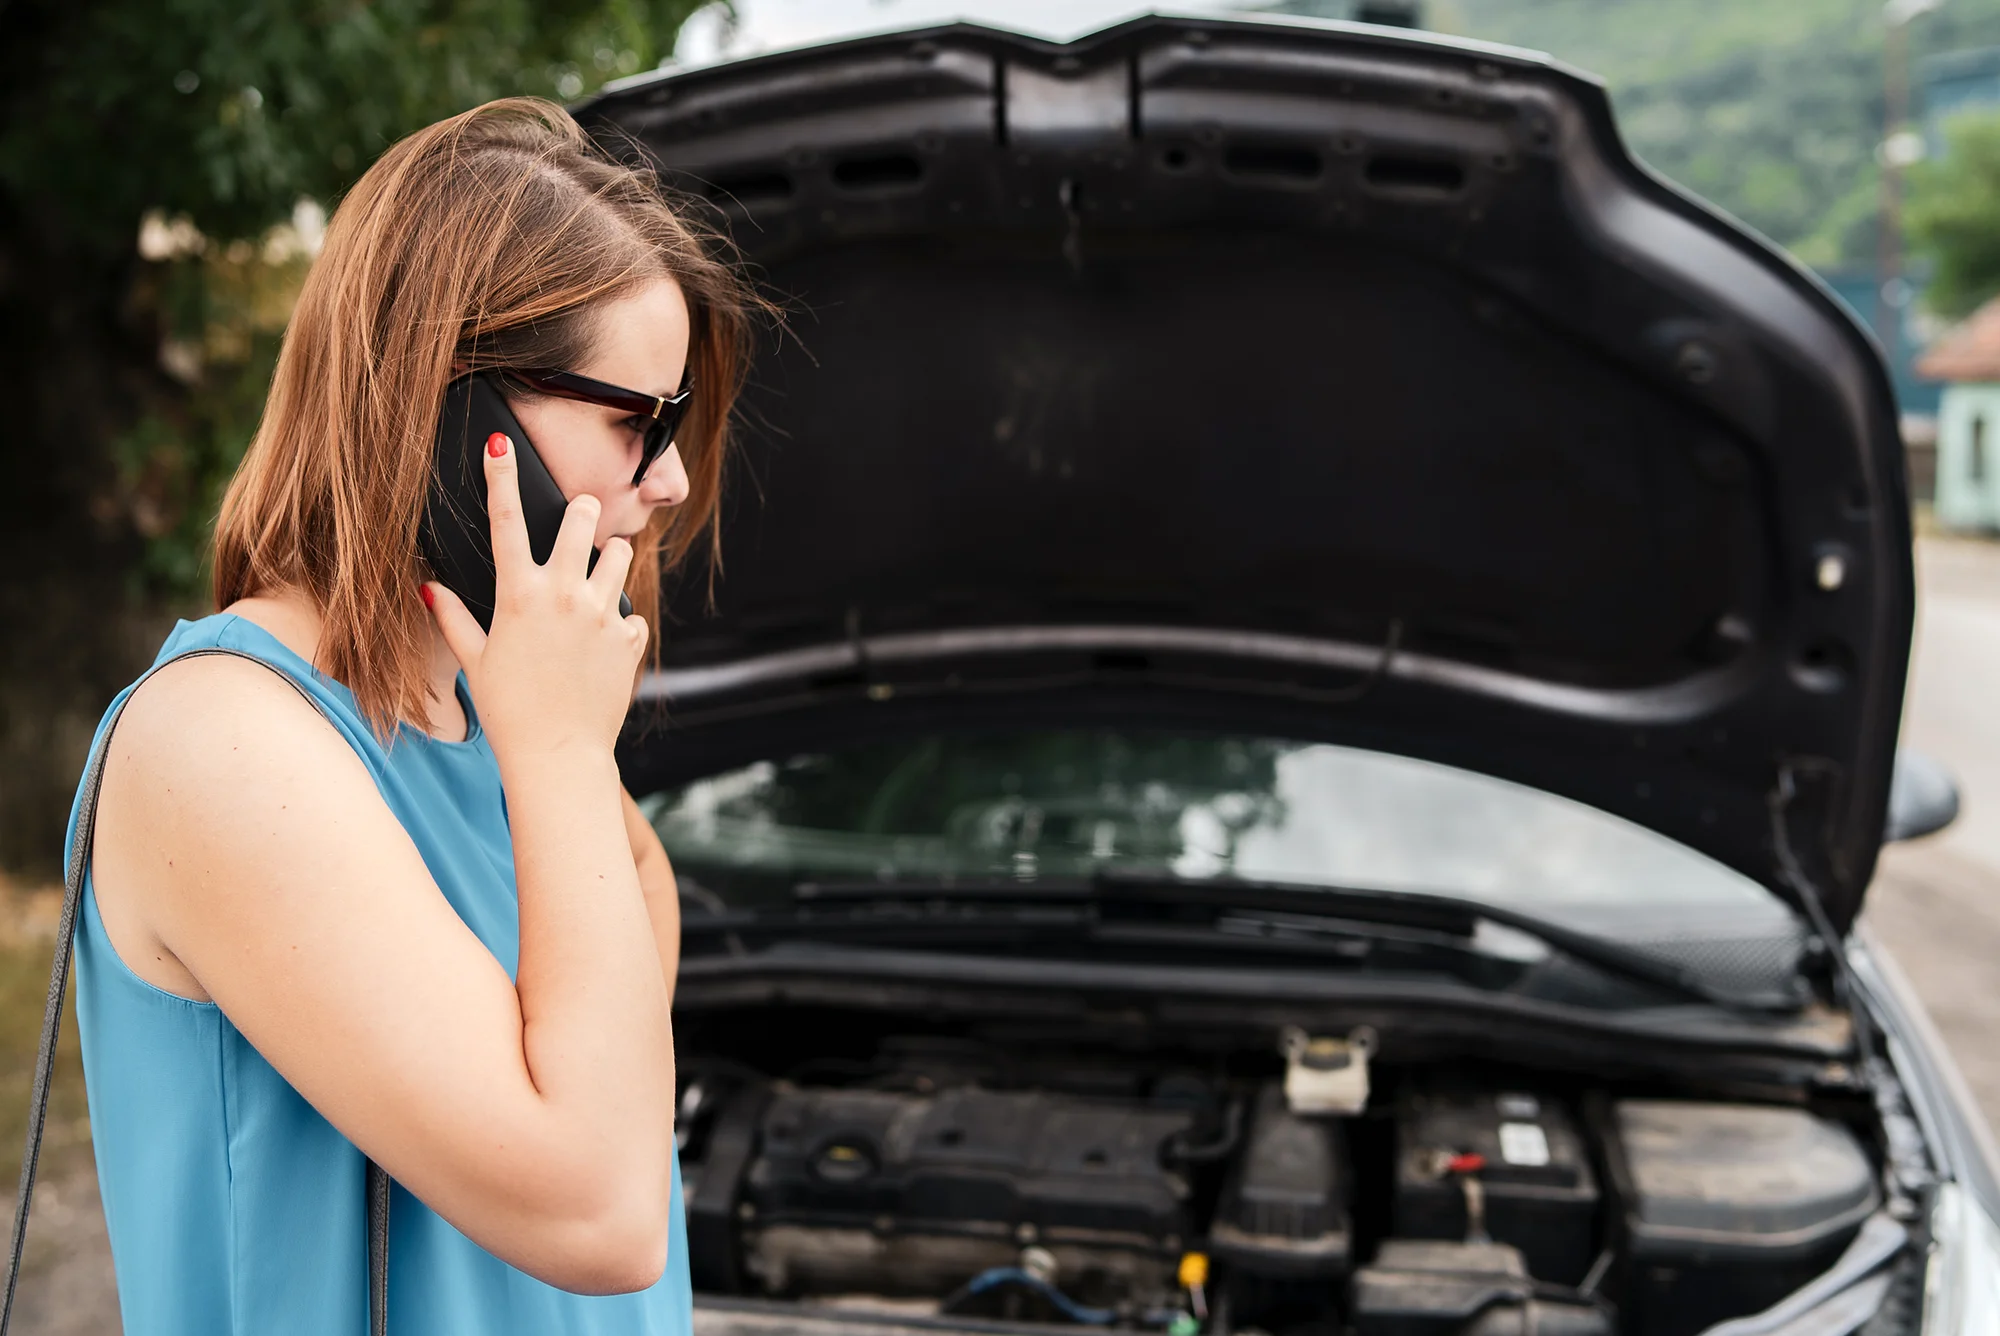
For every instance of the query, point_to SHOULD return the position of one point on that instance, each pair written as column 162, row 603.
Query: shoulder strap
column 45, row 1057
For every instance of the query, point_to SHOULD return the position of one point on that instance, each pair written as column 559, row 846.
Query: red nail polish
column 430, row 599
column 496, row 444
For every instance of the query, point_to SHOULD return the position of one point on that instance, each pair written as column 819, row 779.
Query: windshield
column 1067, row 803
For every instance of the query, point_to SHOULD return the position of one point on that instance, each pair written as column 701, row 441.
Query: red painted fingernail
column 430, row 599
column 496, row 444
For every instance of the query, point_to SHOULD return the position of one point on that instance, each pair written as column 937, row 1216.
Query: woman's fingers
column 557, row 666
column 571, row 554
column 503, row 508
column 457, row 624
column 613, row 563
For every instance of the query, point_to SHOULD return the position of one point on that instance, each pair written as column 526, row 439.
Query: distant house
column 1967, row 359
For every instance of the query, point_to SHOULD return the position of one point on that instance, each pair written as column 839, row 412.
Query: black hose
column 1177, row 1151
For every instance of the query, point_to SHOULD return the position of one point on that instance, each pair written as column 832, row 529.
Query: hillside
column 1770, row 108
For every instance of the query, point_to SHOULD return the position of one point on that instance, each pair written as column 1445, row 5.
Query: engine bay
column 1304, row 1187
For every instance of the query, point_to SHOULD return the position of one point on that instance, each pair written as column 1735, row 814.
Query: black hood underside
column 1356, row 382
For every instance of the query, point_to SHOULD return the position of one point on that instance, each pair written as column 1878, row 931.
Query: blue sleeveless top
column 233, row 1206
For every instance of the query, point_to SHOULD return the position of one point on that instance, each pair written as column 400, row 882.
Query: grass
column 27, row 942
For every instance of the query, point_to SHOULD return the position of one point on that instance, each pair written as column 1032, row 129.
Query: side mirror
column 1923, row 797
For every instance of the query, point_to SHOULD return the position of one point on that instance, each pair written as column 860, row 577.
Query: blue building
column 1855, row 286
column 1952, row 82
column 1946, row 84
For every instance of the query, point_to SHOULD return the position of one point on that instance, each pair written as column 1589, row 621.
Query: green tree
column 1771, row 111
column 131, row 383
column 1954, row 214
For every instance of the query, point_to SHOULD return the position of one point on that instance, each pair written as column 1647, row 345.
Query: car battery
column 1533, row 1182
column 1729, row 1207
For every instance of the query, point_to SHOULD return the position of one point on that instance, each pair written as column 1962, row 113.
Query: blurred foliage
column 1954, row 213
column 222, row 314
column 227, row 111
column 209, row 121
column 134, row 379
column 1770, row 110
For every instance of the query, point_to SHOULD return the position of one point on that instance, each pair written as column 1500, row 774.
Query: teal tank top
column 233, row 1206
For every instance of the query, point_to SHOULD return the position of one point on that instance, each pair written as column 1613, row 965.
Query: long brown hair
column 486, row 240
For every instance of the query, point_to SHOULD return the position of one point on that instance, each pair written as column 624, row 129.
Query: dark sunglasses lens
column 658, row 437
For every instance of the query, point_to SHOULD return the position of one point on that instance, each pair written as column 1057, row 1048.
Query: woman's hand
column 556, row 670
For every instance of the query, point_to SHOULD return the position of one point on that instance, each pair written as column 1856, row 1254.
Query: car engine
column 946, row 1178
column 917, row 1193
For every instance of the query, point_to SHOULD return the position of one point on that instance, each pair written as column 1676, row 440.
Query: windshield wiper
column 1427, row 909
column 1166, row 903
column 925, row 912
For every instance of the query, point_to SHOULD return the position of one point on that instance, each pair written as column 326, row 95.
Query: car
column 1296, row 706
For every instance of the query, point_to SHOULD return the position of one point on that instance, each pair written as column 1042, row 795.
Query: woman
column 391, row 899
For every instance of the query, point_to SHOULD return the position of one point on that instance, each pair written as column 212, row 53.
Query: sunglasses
column 663, row 415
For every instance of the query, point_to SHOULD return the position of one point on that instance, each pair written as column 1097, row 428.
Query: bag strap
column 45, row 1056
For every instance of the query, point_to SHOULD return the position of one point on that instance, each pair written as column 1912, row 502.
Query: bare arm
column 534, row 1114
column 656, row 881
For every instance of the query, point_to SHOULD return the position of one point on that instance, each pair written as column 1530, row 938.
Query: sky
column 766, row 25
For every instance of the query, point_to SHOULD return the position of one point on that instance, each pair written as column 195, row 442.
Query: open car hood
column 1324, row 378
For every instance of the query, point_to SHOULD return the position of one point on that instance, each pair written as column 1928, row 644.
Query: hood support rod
column 1792, row 872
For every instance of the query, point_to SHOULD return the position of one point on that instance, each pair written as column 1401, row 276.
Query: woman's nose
column 666, row 483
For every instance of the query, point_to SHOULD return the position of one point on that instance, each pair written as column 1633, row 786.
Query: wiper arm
column 1439, row 913
column 919, row 911
column 1346, row 910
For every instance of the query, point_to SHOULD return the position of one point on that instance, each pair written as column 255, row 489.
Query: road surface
column 1936, row 902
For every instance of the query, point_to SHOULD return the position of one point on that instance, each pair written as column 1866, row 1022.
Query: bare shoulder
column 218, row 718
column 219, row 749
column 220, row 780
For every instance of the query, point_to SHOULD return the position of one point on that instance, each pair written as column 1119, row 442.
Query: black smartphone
column 455, row 536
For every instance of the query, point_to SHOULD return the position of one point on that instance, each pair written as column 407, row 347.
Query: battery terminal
column 1465, row 1167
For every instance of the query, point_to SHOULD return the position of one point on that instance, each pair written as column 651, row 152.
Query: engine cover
column 903, row 1193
